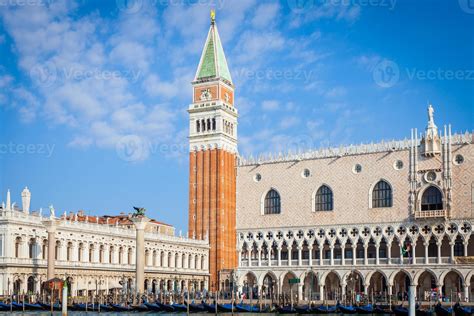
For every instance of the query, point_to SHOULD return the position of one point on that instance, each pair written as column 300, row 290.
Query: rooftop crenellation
column 341, row 151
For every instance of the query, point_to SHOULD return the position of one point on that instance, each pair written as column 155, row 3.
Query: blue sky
column 82, row 81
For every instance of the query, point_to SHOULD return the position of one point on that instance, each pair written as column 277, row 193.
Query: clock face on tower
column 206, row 94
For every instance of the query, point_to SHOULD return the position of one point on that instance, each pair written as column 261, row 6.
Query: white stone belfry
column 431, row 143
column 26, row 200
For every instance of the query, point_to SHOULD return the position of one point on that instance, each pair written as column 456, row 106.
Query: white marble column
column 321, row 261
column 413, row 252
column 300, row 248
column 279, row 255
column 401, row 253
column 354, row 254
column 310, row 261
column 331, row 249
column 290, row 250
column 439, row 251
column 389, row 252
column 343, row 255
column 51, row 229
column 259, row 256
column 140, row 224
column 426, row 244
column 366, row 259
column 451, row 257
column 377, row 248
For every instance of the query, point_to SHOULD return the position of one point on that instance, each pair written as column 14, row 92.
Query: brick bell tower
column 212, row 159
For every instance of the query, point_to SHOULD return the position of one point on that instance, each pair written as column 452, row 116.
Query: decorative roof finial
column 213, row 16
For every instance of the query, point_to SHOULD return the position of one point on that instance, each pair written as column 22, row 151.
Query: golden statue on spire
column 213, row 16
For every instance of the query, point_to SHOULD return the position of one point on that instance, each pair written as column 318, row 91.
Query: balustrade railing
column 349, row 261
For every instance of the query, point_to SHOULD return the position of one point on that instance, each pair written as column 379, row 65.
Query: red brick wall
column 214, row 211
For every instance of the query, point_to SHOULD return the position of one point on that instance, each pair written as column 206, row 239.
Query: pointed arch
column 271, row 202
column 323, row 199
column 431, row 199
column 381, row 194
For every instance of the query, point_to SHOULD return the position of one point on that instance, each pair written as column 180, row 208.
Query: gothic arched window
column 272, row 204
column 323, row 199
column 432, row 199
column 382, row 195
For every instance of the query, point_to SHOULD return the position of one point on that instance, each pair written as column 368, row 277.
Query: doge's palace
column 374, row 218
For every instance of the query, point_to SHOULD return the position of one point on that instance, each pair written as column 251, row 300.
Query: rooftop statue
column 430, row 114
column 139, row 211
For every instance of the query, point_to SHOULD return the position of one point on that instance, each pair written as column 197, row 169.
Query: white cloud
column 336, row 92
column 289, row 121
column 265, row 15
column 270, row 105
column 90, row 67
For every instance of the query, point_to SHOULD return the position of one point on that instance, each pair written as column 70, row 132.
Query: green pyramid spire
column 213, row 63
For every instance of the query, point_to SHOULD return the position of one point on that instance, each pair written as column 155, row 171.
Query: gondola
column 46, row 306
column 121, row 308
column 210, row 308
column 33, row 307
column 324, row 309
column 286, row 310
column 153, row 307
column 303, row 309
column 425, row 312
column 17, row 306
column 460, row 310
column 225, row 308
column 4, row 307
column 383, row 309
column 400, row 311
column 180, row 308
column 196, row 308
column 165, row 307
column 78, row 307
column 366, row 309
column 443, row 311
column 140, row 308
column 106, row 308
column 347, row 309
column 242, row 308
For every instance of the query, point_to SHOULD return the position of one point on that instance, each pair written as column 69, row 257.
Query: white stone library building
column 95, row 254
